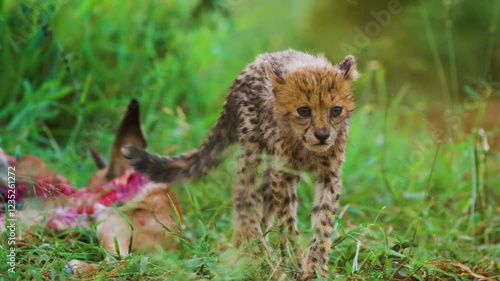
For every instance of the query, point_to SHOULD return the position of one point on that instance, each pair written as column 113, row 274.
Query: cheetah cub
column 296, row 107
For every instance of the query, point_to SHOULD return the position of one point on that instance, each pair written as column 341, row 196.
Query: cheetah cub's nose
column 322, row 135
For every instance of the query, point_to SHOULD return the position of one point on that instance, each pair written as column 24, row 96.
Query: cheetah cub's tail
column 188, row 165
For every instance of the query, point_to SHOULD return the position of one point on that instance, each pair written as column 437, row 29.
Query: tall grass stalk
column 495, row 15
column 435, row 52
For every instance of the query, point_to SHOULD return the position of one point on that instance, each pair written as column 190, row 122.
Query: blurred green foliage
column 186, row 53
column 417, row 42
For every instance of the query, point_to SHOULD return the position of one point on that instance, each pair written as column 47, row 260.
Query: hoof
column 75, row 267
column 68, row 269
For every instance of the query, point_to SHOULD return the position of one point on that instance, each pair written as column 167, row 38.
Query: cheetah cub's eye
column 335, row 111
column 304, row 112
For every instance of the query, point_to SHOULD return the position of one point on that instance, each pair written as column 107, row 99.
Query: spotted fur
column 262, row 114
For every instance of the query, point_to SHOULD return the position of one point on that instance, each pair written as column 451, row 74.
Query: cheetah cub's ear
column 348, row 68
column 275, row 75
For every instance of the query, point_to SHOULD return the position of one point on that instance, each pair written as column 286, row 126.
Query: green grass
column 411, row 196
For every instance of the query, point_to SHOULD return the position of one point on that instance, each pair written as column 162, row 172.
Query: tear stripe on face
column 311, row 124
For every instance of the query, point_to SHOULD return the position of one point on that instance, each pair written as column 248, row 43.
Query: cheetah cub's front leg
column 327, row 194
column 284, row 189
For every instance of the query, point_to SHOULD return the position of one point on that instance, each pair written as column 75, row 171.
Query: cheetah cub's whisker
column 294, row 106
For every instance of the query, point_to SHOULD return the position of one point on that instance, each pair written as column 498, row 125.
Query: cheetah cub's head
column 315, row 101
